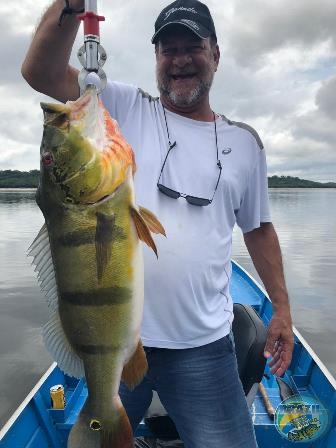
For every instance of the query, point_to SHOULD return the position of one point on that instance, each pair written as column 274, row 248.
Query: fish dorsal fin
column 151, row 220
column 53, row 334
column 142, row 229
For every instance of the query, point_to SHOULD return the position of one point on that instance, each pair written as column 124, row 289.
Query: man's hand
column 280, row 342
column 46, row 66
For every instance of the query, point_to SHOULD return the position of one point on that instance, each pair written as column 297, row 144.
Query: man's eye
column 195, row 49
column 168, row 51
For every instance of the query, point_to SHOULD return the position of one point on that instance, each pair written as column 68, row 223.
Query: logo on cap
column 191, row 23
column 181, row 8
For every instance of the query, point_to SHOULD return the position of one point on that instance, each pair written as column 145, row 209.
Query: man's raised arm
column 46, row 66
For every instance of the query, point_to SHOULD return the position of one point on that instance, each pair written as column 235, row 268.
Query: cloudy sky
column 277, row 73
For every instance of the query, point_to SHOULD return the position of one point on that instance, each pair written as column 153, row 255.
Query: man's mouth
column 183, row 76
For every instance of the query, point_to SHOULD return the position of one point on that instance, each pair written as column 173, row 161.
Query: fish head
column 84, row 157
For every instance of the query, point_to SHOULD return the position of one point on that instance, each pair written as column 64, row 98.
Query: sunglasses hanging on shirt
column 193, row 200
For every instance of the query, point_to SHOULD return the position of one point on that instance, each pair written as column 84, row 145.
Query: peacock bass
column 89, row 262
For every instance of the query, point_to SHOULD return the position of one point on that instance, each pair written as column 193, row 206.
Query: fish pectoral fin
column 135, row 369
column 142, row 229
column 151, row 220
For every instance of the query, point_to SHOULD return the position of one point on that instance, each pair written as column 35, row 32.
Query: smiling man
column 201, row 174
column 185, row 68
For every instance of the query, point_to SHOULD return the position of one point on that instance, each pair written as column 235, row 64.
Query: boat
column 36, row 424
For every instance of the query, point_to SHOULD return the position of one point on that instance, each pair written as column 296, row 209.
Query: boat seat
column 250, row 338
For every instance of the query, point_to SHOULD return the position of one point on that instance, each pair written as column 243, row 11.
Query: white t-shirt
column 187, row 298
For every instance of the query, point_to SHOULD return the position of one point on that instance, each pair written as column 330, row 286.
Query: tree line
column 19, row 179
column 30, row 179
column 296, row 182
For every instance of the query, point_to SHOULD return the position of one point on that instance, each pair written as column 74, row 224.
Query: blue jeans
column 202, row 393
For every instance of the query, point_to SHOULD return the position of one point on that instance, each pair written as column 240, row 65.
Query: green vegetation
column 29, row 179
column 19, row 179
column 296, row 182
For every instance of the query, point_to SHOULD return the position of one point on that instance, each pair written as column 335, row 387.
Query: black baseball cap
column 190, row 13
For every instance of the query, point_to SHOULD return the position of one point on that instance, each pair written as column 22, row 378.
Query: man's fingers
column 274, row 359
column 270, row 347
column 281, row 360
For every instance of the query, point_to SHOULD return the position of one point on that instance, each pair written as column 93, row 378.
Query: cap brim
column 199, row 30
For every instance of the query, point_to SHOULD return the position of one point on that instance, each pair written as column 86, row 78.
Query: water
column 305, row 220
column 306, row 224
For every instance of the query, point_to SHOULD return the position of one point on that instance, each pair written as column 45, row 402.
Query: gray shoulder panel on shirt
column 146, row 95
column 247, row 128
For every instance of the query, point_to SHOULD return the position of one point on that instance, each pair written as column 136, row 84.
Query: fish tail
column 110, row 431
column 117, row 433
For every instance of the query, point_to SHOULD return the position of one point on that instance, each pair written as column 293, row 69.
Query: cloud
column 277, row 73
column 326, row 98
column 259, row 28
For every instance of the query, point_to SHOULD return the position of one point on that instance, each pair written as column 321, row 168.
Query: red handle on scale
column 91, row 23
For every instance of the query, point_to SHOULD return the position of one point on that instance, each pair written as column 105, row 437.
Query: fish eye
column 47, row 159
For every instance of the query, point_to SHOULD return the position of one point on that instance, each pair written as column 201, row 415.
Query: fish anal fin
column 151, row 220
column 135, row 369
column 142, row 229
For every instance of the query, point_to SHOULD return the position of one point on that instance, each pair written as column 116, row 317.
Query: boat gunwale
column 296, row 332
column 253, row 282
column 16, row 414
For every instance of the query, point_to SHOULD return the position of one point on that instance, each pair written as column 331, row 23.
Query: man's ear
column 216, row 54
column 157, row 44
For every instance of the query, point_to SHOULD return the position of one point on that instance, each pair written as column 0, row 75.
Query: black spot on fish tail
column 109, row 296
column 106, row 233
column 78, row 237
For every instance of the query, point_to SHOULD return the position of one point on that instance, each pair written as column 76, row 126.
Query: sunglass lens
column 168, row 191
column 193, row 200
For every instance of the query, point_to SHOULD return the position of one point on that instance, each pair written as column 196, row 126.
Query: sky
column 277, row 73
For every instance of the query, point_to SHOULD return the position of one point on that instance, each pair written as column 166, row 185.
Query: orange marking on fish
column 117, row 147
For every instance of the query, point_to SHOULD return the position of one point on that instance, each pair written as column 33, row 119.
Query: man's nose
column 182, row 58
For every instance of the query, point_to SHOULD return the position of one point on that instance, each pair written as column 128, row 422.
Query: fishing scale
column 91, row 55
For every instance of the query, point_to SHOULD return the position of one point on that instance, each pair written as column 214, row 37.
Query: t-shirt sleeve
column 254, row 208
column 119, row 98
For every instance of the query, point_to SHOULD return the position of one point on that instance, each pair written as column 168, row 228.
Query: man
column 200, row 174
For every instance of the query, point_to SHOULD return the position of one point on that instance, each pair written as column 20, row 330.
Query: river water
column 305, row 220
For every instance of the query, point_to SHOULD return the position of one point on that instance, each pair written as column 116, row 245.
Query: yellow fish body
column 89, row 262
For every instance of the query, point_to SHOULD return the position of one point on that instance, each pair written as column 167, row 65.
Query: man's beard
column 183, row 97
